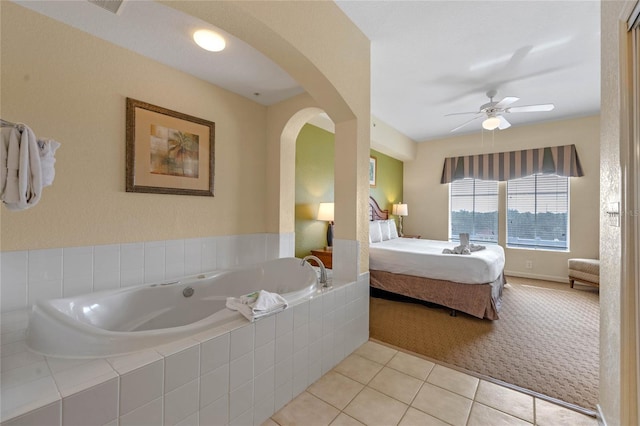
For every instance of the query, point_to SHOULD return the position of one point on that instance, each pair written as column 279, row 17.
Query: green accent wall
column 389, row 182
column 315, row 151
column 314, row 185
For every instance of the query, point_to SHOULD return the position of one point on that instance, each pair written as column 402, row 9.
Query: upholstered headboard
column 375, row 212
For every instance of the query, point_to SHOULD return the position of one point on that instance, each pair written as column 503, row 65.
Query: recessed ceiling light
column 209, row 40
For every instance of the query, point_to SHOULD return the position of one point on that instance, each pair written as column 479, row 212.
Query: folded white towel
column 465, row 246
column 257, row 304
column 457, row 250
column 48, row 149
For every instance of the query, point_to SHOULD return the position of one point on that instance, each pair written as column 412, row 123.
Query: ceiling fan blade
column 531, row 108
column 504, row 124
column 466, row 122
column 461, row 113
column 506, row 102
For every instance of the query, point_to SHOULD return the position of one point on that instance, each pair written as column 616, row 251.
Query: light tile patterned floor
column 378, row 385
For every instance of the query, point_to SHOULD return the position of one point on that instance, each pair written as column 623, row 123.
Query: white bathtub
column 130, row 319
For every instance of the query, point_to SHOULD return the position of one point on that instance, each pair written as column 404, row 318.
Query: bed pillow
column 375, row 234
column 393, row 231
column 384, row 230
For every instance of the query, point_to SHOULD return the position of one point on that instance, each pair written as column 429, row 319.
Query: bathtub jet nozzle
column 188, row 292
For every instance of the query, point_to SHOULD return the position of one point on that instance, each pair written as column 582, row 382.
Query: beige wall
column 81, row 103
column 71, row 87
column 334, row 69
column 389, row 141
column 428, row 200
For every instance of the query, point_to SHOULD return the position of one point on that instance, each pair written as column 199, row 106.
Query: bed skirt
column 479, row 300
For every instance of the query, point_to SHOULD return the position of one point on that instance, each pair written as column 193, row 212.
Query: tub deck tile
column 126, row 363
column 82, row 377
column 27, row 396
column 173, row 348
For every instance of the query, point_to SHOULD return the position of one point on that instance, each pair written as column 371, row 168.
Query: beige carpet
column 546, row 339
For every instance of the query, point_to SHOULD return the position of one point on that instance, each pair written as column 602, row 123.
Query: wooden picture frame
column 373, row 171
column 168, row 152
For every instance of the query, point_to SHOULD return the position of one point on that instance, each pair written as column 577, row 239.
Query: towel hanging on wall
column 26, row 165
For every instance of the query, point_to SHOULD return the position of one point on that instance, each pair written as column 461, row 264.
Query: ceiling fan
column 493, row 111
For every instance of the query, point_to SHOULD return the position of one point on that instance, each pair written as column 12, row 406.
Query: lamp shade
column 400, row 209
column 325, row 212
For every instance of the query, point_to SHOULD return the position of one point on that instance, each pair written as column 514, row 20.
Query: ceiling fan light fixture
column 209, row 40
column 491, row 123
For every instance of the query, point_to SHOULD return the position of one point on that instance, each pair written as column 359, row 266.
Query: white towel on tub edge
column 257, row 304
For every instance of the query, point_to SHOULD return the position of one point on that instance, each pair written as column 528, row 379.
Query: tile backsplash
column 30, row 275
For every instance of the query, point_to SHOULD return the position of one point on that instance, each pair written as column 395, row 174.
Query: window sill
column 559, row 250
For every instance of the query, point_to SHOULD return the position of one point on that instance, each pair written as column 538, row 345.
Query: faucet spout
column 323, row 270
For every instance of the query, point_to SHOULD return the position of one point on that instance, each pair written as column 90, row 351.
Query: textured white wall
column 618, row 384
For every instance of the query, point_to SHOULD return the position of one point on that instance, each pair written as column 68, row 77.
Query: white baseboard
column 536, row 276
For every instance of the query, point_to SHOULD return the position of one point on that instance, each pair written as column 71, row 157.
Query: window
column 474, row 210
column 538, row 212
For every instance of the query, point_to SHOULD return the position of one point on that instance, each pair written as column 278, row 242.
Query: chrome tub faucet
column 323, row 270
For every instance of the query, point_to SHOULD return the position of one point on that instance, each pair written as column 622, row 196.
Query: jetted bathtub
column 126, row 320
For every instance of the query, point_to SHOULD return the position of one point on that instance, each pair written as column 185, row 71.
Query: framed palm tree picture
column 168, row 152
column 373, row 171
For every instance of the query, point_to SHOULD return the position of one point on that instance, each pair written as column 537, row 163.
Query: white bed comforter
column 424, row 258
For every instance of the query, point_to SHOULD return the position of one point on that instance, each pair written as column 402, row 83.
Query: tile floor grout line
column 373, row 389
column 354, row 397
column 425, row 381
column 473, row 400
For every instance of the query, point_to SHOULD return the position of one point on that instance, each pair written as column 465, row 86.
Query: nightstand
column 417, row 237
column 325, row 256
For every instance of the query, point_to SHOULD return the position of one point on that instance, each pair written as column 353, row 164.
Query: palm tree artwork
column 173, row 152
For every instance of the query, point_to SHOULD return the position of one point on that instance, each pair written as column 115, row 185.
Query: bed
column 416, row 268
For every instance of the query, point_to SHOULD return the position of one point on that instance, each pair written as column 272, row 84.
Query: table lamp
column 325, row 212
column 400, row 210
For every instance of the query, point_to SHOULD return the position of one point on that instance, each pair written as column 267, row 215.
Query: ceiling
column 428, row 58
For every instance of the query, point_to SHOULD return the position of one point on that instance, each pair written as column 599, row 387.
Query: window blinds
column 474, row 210
column 538, row 212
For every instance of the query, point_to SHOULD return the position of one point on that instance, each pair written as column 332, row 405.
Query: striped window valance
column 501, row 166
